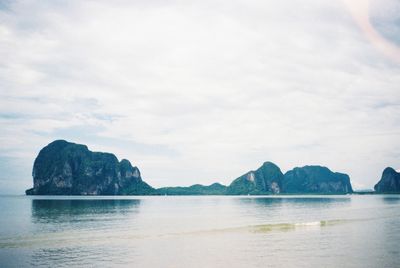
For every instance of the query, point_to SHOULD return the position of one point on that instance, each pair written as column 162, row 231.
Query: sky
column 202, row 91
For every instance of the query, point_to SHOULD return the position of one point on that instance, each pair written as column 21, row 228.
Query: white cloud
column 216, row 88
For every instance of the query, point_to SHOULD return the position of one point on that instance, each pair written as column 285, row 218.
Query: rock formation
column 65, row 168
column 389, row 182
column 265, row 180
column 315, row 180
column 268, row 179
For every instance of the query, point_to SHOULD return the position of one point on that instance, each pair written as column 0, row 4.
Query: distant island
column 66, row 168
column 389, row 183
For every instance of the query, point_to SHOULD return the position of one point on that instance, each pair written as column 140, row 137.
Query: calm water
column 295, row 231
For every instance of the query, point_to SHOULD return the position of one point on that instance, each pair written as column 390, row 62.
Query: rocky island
column 65, row 168
column 389, row 182
column 267, row 179
column 316, row 180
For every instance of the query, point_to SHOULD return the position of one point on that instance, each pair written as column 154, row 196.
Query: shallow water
column 200, row 231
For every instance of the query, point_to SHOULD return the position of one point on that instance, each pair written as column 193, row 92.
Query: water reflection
column 391, row 199
column 62, row 210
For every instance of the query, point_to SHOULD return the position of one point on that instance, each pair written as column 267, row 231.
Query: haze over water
column 226, row 231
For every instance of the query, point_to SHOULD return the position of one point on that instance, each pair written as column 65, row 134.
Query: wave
column 264, row 228
column 292, row 226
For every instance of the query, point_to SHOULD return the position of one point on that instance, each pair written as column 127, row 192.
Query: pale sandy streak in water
column 74, row 238
column 359, row 9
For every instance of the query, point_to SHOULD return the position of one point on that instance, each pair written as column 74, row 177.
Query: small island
column 66, row 168
column 389, row 182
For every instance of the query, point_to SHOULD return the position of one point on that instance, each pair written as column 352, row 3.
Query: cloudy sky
column 202, row 91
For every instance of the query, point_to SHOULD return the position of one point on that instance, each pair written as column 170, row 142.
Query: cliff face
column 64, row 168
column 268, row 179
column 389, row 182
column 317, row 180
column 265, row 180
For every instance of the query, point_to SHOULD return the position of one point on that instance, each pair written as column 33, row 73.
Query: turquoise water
column 211, row 231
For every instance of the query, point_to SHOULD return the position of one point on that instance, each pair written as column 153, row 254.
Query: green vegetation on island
column 65, row 168
column 197, row 189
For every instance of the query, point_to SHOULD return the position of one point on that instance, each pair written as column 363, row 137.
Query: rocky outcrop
column 197, row 189
column 315, row 180
column 265, row 180
column 65, row 168
column 389, row 182
column 268, row 179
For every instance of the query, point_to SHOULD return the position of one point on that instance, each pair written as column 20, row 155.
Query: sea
column 200, row 231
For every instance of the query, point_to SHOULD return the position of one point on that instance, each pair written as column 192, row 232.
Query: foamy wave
column 292, row 226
